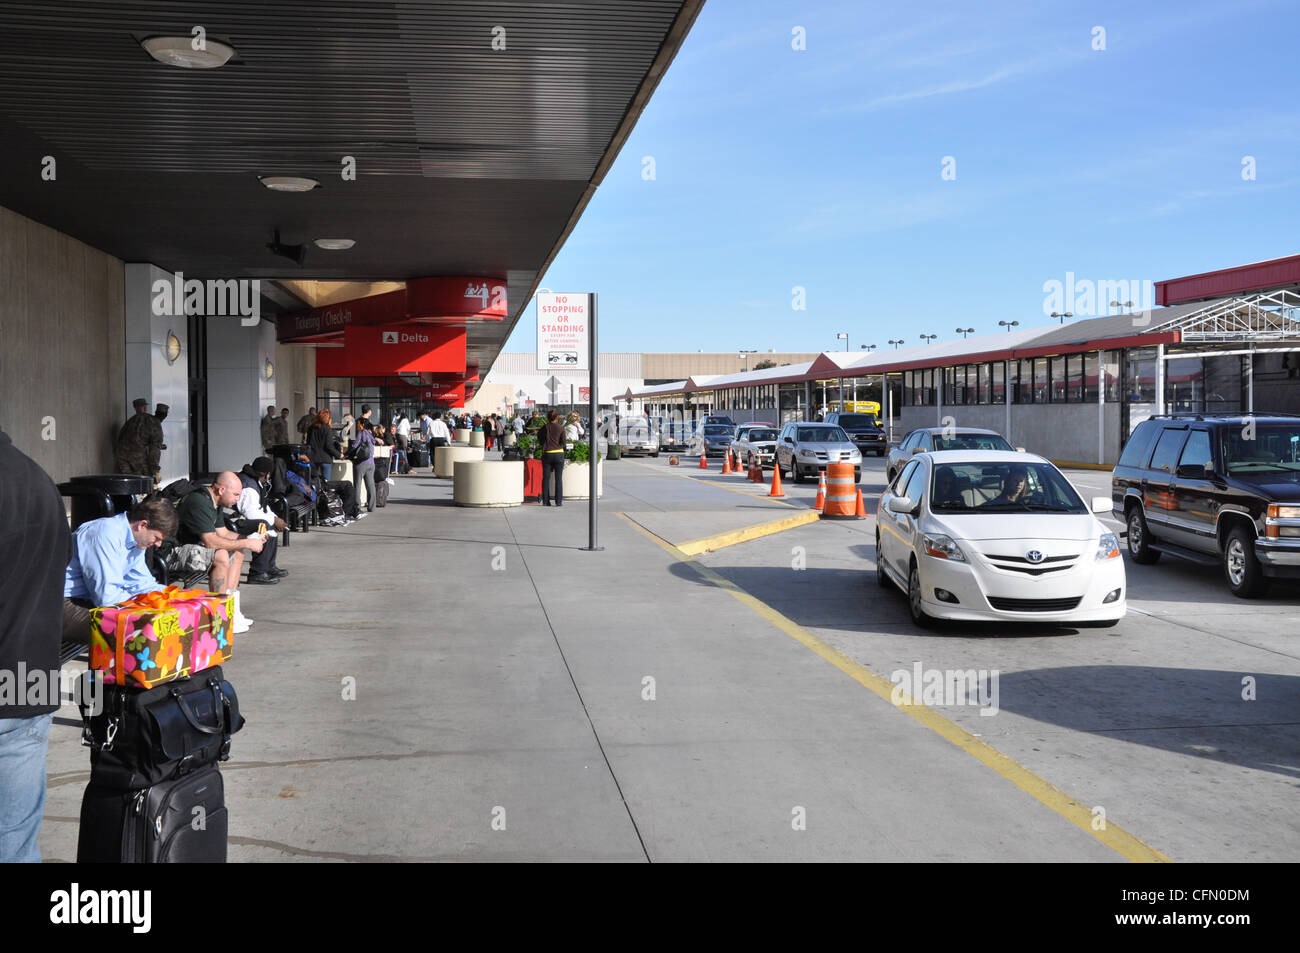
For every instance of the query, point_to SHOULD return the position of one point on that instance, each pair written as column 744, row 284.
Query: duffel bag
column 139, row 738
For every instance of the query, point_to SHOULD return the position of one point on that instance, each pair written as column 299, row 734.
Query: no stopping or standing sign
column 563, row 328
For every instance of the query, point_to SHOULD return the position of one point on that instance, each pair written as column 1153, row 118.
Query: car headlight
column 807, row 453
column 1108, row 547
column 855, row 455
column 943, row 547
column 1276, row 511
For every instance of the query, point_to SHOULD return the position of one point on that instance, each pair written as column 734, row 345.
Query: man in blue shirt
column 107, row 564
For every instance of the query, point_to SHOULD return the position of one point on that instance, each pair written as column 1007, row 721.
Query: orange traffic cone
column 756, row 472
column 704, row 461
column 861, row 511
column 726, row 464
column 776, row 483
column 820, row 504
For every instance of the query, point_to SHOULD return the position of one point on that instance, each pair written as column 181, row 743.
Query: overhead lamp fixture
column 268, row 369
column 172, row 347
column 179, row 51
column 288, row 183
column 295, row 253
column 335, row 244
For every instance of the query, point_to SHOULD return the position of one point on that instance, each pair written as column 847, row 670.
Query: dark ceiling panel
column 469, row 160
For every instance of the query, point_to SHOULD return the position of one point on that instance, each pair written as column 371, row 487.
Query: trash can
column 88, row 493
column 615, row 452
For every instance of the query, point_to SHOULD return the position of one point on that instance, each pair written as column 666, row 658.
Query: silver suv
column 805, row 448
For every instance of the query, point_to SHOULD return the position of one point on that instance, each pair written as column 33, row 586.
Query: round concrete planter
column 476, row 438
column 461, row 434
column 489, row 483
column 577, row 480
column 446, row 458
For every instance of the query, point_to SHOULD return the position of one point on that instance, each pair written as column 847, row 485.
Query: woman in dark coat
column 552, row 439
column 323, row 444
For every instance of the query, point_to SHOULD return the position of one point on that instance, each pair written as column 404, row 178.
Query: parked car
column 710, row 439
column 757, row 444
column 930, row 439
column 638, row 435
column 806, row 447
column 718, row 419
column 1220, row 490
column 864, row 430
column 997, row 535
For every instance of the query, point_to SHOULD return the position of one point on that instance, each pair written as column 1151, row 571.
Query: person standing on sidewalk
column 270, row 429
column 553, row 459
column 363, row 463
column 36, row 543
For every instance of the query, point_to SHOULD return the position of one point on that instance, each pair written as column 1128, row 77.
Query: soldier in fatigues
column 139, row 445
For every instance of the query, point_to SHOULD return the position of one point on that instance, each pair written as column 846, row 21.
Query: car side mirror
column 900, row 504
column 1101, row 504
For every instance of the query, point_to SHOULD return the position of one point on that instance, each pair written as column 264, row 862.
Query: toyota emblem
column 1034, row 556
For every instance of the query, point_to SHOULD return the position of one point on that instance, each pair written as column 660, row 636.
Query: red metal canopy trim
column 1226, row 282
column 452, row 301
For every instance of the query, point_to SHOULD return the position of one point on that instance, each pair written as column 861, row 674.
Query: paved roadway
column 503, row 678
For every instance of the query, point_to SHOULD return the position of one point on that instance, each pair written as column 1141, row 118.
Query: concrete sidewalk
column 503, row 682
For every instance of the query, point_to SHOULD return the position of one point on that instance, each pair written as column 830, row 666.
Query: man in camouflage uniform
column 139, row 445
column 270, row 429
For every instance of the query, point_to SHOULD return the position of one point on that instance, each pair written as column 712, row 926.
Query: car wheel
column 882, row 577
column 914, row 599
column 1246, row 577
column 655, row 454
column 857, row 475
column 1139, row 548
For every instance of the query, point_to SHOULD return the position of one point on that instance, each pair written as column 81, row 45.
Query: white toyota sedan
column 987, row 536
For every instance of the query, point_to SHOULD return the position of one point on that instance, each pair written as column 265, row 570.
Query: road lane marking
column 1043, row 791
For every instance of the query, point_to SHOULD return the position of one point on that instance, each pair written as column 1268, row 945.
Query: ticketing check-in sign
column 563, row 328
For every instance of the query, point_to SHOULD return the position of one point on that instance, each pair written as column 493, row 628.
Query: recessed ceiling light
column 180, row 51
column 288, row 183
column 335, row 244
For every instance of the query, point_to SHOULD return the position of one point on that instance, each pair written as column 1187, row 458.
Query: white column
column 1006, row 397
column 1160, row 378
column 238, row 391
column 148, row 374
column 1101, row 406
column 1250, row 383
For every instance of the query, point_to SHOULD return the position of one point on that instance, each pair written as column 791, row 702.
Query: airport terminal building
column 1220, row 342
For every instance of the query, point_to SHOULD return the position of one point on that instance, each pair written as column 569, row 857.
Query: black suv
column 1221, row 490
column 863, row 429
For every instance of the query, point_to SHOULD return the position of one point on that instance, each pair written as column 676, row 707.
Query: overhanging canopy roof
column 470, row 160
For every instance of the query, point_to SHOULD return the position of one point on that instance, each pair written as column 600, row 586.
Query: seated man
column 946, row 491
column 205, row 544
column 252, row 505
column 107, row 564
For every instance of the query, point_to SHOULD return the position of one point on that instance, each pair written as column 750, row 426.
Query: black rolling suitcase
column 155, row 792
column 417, row 457
column 381, row 493
column 173, row 822
column 381, row 468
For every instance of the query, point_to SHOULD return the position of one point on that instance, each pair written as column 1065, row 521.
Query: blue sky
column 821, row 168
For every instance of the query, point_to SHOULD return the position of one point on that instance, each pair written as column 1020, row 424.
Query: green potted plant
column 529, row 446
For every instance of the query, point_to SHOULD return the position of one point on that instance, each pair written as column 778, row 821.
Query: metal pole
column 594, row 434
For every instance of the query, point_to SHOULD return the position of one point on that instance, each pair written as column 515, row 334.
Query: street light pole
column 896, row 343
column 1009, row 325
column 927, row 338
column 965, row 331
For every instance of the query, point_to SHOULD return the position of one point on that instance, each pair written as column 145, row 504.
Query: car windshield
column 857, row 420
column 971, row 441
column 821, row 435
column 1261, row 449
column 716, row 430
column 760, row 433
column 1002, row 488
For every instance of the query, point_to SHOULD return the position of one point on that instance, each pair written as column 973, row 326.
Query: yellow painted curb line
column 722, row 540
column 1071, row 465
column 1077, row 813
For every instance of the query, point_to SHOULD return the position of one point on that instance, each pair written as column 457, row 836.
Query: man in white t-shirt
column 440, row 435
